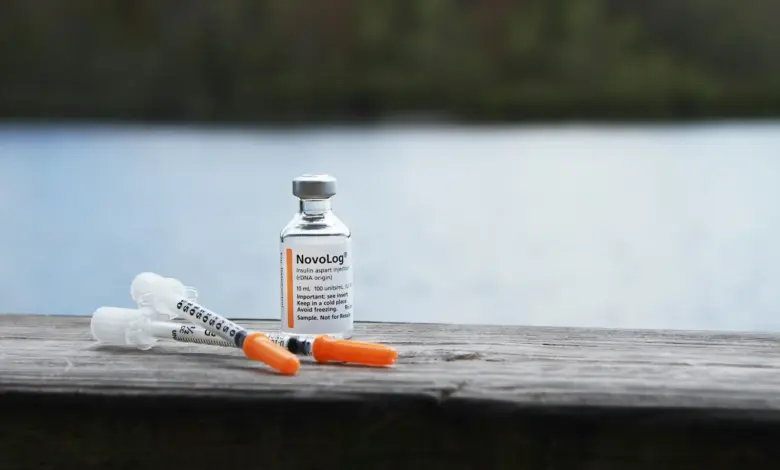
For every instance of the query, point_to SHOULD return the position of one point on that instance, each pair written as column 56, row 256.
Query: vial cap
column 314, row 186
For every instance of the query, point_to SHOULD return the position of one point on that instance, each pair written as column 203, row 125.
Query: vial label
column 316, row 285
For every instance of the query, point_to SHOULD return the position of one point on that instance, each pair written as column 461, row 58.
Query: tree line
column 296, row 60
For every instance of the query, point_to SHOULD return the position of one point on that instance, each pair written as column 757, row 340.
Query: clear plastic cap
column 146, row 286
column 122, row 326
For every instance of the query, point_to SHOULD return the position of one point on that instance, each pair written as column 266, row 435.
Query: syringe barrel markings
column 323, row 348
column 255, row 345
column 187, row 333
column 213, row 322
column 191, row 333
column 329, row 349
column 235, row 334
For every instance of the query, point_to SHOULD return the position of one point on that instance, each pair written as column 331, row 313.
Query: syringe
column 139, row 328
column 322, row 348
column 159, row 297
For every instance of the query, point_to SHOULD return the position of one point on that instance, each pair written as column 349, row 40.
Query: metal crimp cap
column 314, row 186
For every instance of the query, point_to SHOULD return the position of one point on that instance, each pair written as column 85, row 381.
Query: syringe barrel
column 322, row 348
column 296, row 344
column 185, row 332
column 256, row 346
column 213, row 322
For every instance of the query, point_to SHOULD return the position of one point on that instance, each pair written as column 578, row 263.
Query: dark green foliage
column 291, row 60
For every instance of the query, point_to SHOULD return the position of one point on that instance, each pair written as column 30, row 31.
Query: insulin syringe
column 148, row 288
column 139, row 328
column 160, row 297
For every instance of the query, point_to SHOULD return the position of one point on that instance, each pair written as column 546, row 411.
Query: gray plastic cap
column 314, row 186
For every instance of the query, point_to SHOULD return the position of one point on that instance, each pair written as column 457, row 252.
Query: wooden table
column 459, row 397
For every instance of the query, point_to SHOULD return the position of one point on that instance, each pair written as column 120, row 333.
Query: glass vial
column 316, row 264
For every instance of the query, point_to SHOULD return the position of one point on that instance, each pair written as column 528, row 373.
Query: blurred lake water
column 672, row 226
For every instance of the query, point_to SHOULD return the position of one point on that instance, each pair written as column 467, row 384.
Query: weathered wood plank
column 459, row 397
column 511, row 365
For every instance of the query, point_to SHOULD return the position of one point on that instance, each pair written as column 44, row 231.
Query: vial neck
column 314, row 207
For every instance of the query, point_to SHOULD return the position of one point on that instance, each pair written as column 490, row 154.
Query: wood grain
column 507, row 365
column 460, row 397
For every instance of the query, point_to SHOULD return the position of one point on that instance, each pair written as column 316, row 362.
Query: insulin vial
column 316, row 264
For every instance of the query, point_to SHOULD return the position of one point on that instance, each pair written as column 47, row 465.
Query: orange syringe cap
column 259, row 347
column 328, row 348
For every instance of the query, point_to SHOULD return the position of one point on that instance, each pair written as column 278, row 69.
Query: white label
column 317, row 291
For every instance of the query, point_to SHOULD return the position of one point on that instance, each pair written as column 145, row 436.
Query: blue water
column 658, row 227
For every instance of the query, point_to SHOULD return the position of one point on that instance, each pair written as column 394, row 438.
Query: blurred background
column 564, row 162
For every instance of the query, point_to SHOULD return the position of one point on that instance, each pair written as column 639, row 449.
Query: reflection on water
column 661, row 227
